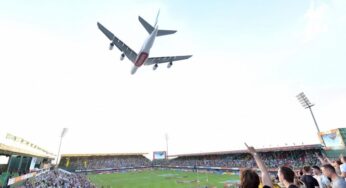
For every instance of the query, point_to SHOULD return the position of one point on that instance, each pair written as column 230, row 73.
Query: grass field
column 161, row 179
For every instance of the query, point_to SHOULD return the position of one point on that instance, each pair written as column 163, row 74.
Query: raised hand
column 250, row 149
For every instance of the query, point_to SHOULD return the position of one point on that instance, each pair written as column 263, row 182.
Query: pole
column 166, row 146
column 318, row 129
column 57, row 157
column 20, row 166
column 64, row 130
column 313, row 117
column 9, row 164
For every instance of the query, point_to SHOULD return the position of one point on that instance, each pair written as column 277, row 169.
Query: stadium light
column 305, row 102
column 63, row 133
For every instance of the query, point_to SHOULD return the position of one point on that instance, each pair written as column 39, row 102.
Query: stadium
column 212, row 169
column 173, row 94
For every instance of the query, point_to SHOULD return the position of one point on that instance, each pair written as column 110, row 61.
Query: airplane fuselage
column 145, row 50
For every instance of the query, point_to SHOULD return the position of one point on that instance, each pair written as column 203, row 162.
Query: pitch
column 163, row 178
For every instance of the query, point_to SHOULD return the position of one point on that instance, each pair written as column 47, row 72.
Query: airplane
column 143, row 57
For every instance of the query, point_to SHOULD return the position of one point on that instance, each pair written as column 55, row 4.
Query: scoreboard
column 333, row 139
column 159, row 155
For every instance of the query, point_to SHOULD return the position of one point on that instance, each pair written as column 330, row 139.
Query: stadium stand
column 295, row 156
column 90, row 162
column 20, row 162
column 58, row 178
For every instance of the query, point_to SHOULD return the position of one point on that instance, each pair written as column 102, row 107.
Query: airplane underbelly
column 141, row 59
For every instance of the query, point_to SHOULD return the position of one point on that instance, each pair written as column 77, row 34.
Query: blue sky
column 250, row 60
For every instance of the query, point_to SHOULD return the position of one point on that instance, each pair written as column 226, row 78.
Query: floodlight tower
column 63, row 133
column 307, row 104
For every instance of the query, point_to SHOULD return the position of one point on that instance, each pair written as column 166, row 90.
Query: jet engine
column 122, row 56
column 111, row 45
column 155, row 67
column 169, row 64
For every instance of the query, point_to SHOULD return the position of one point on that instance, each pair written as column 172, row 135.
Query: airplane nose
column 133, row 70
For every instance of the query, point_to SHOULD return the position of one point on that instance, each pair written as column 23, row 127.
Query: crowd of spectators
column 58, row 179
column 273, row 159
column 327, row 174
column 298, row 158
column 106, row 162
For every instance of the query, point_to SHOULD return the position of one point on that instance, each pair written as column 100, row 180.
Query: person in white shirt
column 343, row 166
column 323, row 181
column 337, row 181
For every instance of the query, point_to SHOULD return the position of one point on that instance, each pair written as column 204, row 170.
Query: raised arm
column 264, row 171
column 327, row 159
column 321, row 159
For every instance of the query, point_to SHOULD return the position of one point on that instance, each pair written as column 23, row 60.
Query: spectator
column 336, row 164
column 343, row 166
column 264, row 171
column 286, row 177
column 323, row 181
column 329, row 171
column 249, row 179
column 309, row 181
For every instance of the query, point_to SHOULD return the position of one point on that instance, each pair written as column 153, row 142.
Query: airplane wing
column 158, row 60
column 130, row 54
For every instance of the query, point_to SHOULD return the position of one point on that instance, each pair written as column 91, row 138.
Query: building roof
column 10, row 150
column 102, row 154
column 261, row 150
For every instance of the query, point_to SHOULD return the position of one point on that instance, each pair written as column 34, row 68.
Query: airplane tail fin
column 146, row 25
column 150, row 28
column 157, row 18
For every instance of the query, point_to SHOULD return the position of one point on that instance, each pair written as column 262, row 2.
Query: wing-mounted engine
column 155, row 66
column 169, row 64
column 122, row 56
column 111, row 45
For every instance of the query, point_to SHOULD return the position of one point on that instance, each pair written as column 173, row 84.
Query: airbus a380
column 142, row 58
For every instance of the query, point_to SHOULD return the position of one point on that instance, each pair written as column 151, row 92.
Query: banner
column 26, row 176
column 20, row 178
